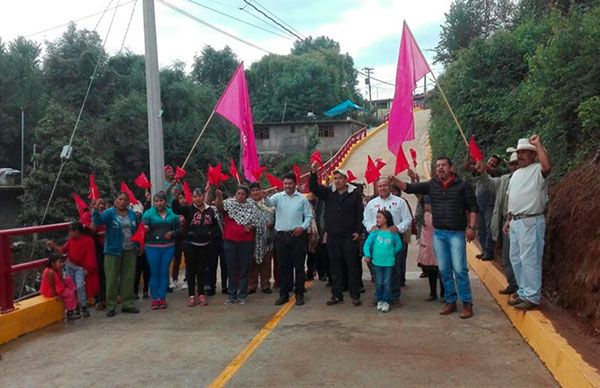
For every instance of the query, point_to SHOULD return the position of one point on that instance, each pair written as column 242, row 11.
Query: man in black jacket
column 454, row 210
column 343, row 220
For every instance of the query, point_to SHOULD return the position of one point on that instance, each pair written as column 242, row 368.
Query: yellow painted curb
column 30, row 315
column 359, row 143
column 566, row 365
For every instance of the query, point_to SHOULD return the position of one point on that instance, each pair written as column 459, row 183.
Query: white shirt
column 395, row 205
column 527, row 191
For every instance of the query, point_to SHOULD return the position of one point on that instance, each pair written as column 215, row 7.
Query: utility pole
column 155, row 130
column 368, row 82
column 22, row 145
column 284, row 109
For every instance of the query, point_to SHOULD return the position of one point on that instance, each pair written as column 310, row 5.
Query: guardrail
column 7, row 269
column 335, row 160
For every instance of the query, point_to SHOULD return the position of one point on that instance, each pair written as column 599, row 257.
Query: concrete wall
column 10, row 206
column 290, row 138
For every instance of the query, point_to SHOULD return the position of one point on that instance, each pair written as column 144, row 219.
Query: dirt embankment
column 572, row 255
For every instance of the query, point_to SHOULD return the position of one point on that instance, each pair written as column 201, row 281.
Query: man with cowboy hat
column 525, row 223
column 498, row 186
column 343, row 224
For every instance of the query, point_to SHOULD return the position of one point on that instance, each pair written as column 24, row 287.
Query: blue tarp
column 341, row 108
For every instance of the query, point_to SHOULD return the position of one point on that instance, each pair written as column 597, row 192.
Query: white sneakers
column 184, row 286
column 383, row 307
column 173, row 284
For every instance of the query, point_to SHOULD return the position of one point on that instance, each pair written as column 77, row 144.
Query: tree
column 50, row 135
column 470, row 19
column 213, row 68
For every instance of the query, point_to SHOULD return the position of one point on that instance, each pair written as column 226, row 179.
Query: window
column 326, row 131
column 262, row 133
column 292, row 129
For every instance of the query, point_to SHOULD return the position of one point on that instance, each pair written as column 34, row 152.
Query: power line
column 197, row 19
column 128, row 25
column 277, row 17
column 273, row 20
column 80, row 19
column 264, row 21
column 238, row 19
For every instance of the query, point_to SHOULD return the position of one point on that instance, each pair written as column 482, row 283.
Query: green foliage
column 541, row 77
column 213, row 68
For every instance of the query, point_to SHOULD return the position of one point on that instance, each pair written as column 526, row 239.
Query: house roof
column 309, row 122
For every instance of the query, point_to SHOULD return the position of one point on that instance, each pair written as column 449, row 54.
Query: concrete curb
column 30, row 315
column 566, row 365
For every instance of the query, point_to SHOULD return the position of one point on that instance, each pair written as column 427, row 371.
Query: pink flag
column 234, row 105
column 412, row 66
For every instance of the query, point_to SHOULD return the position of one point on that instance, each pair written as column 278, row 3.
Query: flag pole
column 462, row 133
column 198, row 139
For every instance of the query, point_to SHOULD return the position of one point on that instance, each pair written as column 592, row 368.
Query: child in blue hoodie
column 381, row 249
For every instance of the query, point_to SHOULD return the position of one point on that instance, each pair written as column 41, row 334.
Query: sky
column 369, row 30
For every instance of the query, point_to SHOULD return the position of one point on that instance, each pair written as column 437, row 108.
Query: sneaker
column 267, row 291
column 526, row 305
column 191, row 301
column 184, row 286
column 282, row 300
column 130, row 310
column 85, row 312
column 163, row 303
column 385, row 307
column 230, row 301
column 243, row 300
column 202, row 300
column 334, row 301
column 379, row 306
column 111, row 313
column 155, row 304
column 173, row 284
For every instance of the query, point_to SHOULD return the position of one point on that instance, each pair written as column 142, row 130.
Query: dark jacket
column 202, row 225
column 449, row 207
column 343, row 212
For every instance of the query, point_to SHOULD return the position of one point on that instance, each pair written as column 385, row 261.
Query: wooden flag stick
column 198, row 139
column 462, row 133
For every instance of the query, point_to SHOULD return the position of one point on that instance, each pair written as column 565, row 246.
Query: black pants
column 291, row 254
column 343, row 255
column 323, row 262
column 433, row 275
column 217, row 257
column 141, row 268
column 399, row 273
column 196, row 260
column 311, row 265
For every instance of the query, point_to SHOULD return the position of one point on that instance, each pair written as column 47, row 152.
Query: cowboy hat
column 513, row 158
column 525, row 145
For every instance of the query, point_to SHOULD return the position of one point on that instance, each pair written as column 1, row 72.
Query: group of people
column 254, row 236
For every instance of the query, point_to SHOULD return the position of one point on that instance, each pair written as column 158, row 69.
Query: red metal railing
column 334, row 161
column 7, row 268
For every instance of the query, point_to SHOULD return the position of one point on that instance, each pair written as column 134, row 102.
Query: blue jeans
column 238, row 255
column 159, row 259
column 383, row 283
column 526, row 250
column 78, row 275
column 484, row 232
column 451, row 252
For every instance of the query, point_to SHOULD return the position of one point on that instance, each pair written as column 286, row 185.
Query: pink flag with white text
column 234, row 105
column 412, row 66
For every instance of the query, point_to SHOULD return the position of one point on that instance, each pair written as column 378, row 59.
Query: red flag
column 179, row 173
column 223, row 178
column 258, row 173
column 474, row 151
column 413, row 155
column 371, row 173
column 233, row 170
column 234, row 105
column 379, row 163
column 82, row 207
column 274, row 181
column 401, row 162
column 187, row 192
column 214, row 174
column 142, row 182
column 140, row 235
column 94, row 192
column 351, row 176
column 125, row 189
column 297, row 173
column 412, row 66
column 316, row 157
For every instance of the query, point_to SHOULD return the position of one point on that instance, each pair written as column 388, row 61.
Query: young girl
column 80, row 249
column 381, row 249
column 426, row 259
column 54, row 285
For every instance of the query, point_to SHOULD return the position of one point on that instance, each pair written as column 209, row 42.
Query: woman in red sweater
column 80, row 249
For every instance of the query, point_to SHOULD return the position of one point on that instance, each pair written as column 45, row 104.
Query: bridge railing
column 7, row 268
column 334, row 161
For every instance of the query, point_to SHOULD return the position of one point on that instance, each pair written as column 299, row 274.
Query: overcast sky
column 369, row 30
